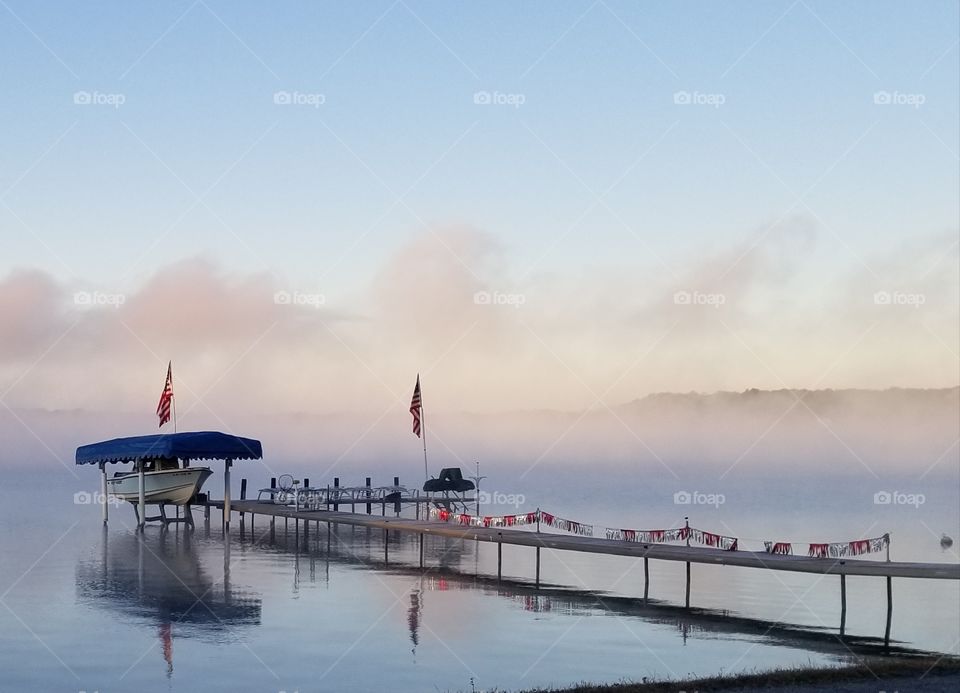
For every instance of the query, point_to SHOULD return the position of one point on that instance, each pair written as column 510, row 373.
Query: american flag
column 416, row 406
column 166, row 398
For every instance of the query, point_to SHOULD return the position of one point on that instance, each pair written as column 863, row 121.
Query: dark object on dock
column 450, row 479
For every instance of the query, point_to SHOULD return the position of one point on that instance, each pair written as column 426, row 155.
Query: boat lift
column 186, row 447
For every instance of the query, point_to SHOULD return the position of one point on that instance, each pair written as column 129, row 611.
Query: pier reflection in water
column 457, row 566
column 159, row 579
column 324, row 605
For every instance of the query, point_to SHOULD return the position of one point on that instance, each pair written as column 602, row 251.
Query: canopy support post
column 226, row 494
column 103, row 491
column 141, row 500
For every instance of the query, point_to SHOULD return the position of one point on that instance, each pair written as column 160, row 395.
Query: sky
column 535, row 205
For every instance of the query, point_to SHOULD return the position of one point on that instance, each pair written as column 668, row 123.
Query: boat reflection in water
column 160, row 579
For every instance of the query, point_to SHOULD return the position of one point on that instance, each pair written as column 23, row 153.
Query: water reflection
column 160, row 579
column 179, row 584
column 454, row 565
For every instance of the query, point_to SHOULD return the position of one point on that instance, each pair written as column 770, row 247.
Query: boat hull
column 172, row 486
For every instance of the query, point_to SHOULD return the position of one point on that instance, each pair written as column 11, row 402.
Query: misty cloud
column 446, row 305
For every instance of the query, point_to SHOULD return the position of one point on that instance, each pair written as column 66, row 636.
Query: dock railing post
column 369, row 505
column 397, row 504
column 538, row 520
column 887, row 537
column 103, row 491
column 336, row 492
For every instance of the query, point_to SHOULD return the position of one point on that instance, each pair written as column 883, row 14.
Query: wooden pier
column 842, row 567
column 565, row 542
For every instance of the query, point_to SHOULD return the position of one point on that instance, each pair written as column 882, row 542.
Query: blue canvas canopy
column 195, row 445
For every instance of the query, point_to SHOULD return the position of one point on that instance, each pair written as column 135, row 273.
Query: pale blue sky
column 107, row 192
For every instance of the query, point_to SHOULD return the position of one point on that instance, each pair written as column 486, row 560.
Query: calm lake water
column 88, row 609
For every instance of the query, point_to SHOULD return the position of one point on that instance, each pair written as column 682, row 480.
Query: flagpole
column 423, row 426
column 173, row 399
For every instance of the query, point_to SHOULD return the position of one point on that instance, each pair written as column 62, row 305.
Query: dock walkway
column 611, row 547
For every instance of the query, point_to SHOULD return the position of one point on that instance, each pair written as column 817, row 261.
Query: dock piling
column 537, row 582
column 421, row 551
column 886, row 634
column 646, row 579
column 336, row 494
column 499, row 558
column 369, row 506
column 687, row 599
column 843, row 604
column 243, row 495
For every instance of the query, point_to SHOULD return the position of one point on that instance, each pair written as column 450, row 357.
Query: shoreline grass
column 868, row 669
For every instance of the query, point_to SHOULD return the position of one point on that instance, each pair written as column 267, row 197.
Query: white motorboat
column 164, row 482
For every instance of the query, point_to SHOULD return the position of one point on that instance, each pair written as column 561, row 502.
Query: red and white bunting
column 646, row 536
column 718, row 541
column 519, row 520
column 566, row 525
column 842, row 549
column 779, row 548
column 660, row 536
column 483, row 521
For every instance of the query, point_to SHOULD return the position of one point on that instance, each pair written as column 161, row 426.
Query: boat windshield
column 160, row 465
